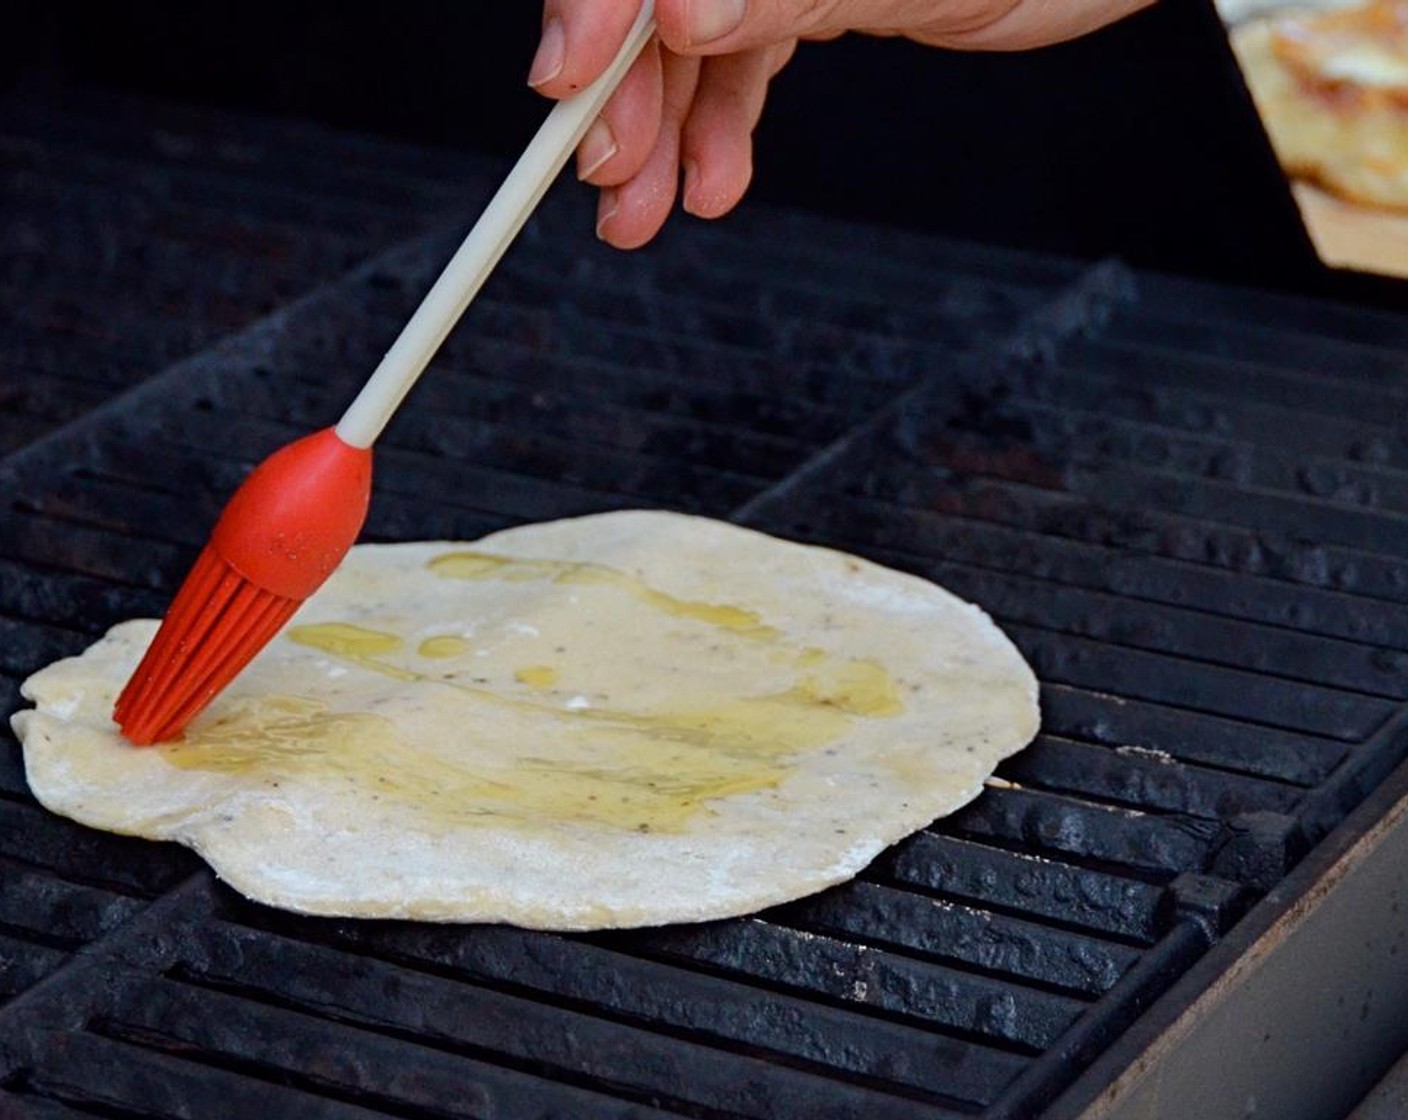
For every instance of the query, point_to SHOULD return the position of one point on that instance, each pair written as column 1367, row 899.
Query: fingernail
column 597, row 146
column 691, row 186
column 606, row 209
column 552, row 53
column 713, row 19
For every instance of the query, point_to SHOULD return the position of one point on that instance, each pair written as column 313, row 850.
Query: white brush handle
column 521, row 192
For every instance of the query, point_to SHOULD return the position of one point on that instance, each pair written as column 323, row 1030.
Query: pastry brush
column 293, row 519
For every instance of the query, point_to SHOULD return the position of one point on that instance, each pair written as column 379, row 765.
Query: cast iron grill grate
column 135, row 233
column 1178, row 500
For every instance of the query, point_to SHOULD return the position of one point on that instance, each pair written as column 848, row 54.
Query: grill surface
column 1182, row 502
column 135, row 233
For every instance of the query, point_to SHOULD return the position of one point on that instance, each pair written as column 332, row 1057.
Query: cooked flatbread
column 1332, row 88
column 626, row 719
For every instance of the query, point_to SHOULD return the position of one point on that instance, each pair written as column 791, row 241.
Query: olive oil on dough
column 623, row 719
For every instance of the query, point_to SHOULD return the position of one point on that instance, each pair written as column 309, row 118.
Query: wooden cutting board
column 1357, row 237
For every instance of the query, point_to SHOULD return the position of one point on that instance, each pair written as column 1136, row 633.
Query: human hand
column 691, row 101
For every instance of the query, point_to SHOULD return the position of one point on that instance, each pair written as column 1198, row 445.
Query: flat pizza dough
column 1332, row 88
column 626, row 719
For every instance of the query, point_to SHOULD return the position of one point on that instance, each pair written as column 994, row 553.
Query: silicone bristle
column 216, row 624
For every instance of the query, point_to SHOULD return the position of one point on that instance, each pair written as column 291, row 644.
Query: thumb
column 715, row 27
column 707, row 27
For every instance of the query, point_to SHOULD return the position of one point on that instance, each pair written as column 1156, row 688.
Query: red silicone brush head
column 216, row 624
column 282, row 534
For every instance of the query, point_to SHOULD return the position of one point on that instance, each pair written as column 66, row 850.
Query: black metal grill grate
column 135, row 233
column 1181, row 502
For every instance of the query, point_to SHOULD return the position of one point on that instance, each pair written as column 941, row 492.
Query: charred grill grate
column 1182, row 502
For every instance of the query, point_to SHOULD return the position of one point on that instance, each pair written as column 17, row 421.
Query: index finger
column 579, row 40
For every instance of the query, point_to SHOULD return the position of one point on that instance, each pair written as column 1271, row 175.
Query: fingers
column 717, row 145
column 622, row 138
column 579, row 40
column 710, row 108
column 632, row 213
column 694, row 96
